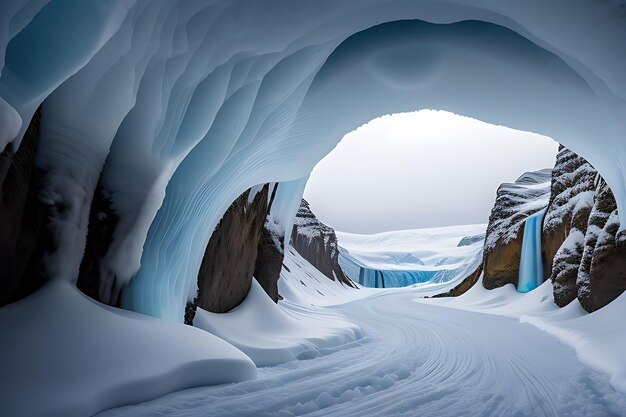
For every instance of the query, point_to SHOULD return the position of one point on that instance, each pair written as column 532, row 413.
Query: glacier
column 175, row 112
column 406, row 257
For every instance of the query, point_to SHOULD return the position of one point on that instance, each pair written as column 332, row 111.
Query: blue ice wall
column 531, row 265
column 376, row 278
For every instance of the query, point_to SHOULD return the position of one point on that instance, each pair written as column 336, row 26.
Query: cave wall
column 188, row 110
column 23, row 218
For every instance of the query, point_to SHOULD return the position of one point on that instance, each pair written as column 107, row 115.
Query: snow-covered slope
column 271, row 334
column 598, row 337
column 406, row 257
column 417, row 359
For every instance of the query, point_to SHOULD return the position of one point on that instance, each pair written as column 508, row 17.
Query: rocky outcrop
column 565, row 222
column 602, row 273
column 22, row 218
column 317, row 243
column 229, row 259
column 242, row 246
column 270, row 256
column 503, row 243
column 584, row 253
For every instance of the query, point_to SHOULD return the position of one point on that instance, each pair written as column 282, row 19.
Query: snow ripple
column 416, row 359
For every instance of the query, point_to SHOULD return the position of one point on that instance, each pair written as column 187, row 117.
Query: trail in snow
column 415, row 359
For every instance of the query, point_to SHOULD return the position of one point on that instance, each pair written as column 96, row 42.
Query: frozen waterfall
column 531, row 265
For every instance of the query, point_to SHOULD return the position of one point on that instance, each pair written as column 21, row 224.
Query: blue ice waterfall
column 531, row 263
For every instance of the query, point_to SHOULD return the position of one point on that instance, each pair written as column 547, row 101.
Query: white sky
column 421, row 169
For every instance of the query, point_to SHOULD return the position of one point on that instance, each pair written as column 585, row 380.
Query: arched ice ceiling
column 207, row 98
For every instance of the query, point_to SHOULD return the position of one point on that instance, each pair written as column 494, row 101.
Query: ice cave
column 157, row 257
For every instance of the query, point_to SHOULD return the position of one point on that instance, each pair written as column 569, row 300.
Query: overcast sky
column 421, row 169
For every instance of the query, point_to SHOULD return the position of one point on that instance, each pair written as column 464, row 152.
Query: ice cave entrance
column 405, row 190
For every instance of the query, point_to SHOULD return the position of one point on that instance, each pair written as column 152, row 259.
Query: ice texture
column 407, row 257
column 177, row 107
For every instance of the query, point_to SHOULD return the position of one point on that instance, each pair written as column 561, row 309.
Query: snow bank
column 65, row 355
column 274, row 333
column 300, row 283
column 298, row 327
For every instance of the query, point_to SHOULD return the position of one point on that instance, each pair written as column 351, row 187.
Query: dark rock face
column 22, row 219
column 317, row 243
column 243, row 245
column 269, row 261
column 102, row 223
column 230, row 256
column 565, row 222
column 503, row 243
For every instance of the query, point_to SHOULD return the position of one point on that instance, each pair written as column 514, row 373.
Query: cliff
column 317, row 243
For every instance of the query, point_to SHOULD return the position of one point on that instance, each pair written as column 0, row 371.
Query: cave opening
column 404, row 190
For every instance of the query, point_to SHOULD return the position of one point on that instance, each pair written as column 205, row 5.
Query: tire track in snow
column 416, row 359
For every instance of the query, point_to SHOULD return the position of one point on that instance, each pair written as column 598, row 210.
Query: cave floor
column 415, row 359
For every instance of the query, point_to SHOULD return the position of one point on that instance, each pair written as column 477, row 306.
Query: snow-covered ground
column 415, row 359
column 325, row 349
column 64, row 354
column 294, row 329
column 598, row 338
column 476, row 355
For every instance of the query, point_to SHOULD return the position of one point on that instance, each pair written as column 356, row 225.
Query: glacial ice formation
column 406, row 257
column 176, row 107
column 531, row 263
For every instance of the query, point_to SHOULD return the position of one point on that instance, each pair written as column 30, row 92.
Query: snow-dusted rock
column 317, row 243
column 565, row 222
column 602, row 273
column 503, row 244
column 229, row 260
